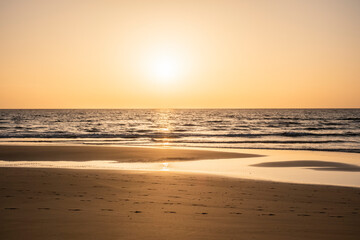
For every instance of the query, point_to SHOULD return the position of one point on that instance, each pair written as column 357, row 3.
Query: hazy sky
column 179, row 54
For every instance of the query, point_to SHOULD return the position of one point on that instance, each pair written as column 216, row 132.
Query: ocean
column 291, row 129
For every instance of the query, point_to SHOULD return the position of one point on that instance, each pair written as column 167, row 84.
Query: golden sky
column 179, row 54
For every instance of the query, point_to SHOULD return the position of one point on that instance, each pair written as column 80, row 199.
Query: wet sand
column 107, row 204
column 315, row 165
column 120, row 154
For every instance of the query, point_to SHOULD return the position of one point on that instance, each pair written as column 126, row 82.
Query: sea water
column 291, row 129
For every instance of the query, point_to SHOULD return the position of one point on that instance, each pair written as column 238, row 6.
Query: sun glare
column 165, row 68
column 166, row 65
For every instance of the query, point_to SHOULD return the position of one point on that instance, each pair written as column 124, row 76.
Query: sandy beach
column 180, row 120
column 107, row 204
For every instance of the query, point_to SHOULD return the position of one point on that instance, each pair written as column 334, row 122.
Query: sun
column 165, row 68
column 165, row 64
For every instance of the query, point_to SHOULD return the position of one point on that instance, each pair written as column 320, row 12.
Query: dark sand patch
column 314, row 165
column 120, row 154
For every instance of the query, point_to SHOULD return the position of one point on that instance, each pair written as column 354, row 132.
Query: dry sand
column 104, row 204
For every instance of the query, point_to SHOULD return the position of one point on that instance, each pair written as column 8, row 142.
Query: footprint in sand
column 268, row 214
column 198, row 205
column 136, row 211
column 74, row 209
column 169, row 212
column 238, row 213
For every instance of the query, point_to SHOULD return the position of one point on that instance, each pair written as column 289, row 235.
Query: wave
column 301, row 134
column 175, row 134
column 256, row 141
column 274, row 129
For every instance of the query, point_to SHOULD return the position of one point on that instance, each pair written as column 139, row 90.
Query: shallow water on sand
column 309, row 167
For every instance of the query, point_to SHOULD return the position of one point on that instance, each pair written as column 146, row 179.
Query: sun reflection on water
column 165, row 167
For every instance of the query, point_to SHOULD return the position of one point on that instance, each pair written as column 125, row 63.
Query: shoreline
column 165, row 144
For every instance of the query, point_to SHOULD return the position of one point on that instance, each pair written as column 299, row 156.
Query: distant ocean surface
column 298, row 129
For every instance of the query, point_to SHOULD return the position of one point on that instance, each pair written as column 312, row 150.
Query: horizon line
column 196, row 108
